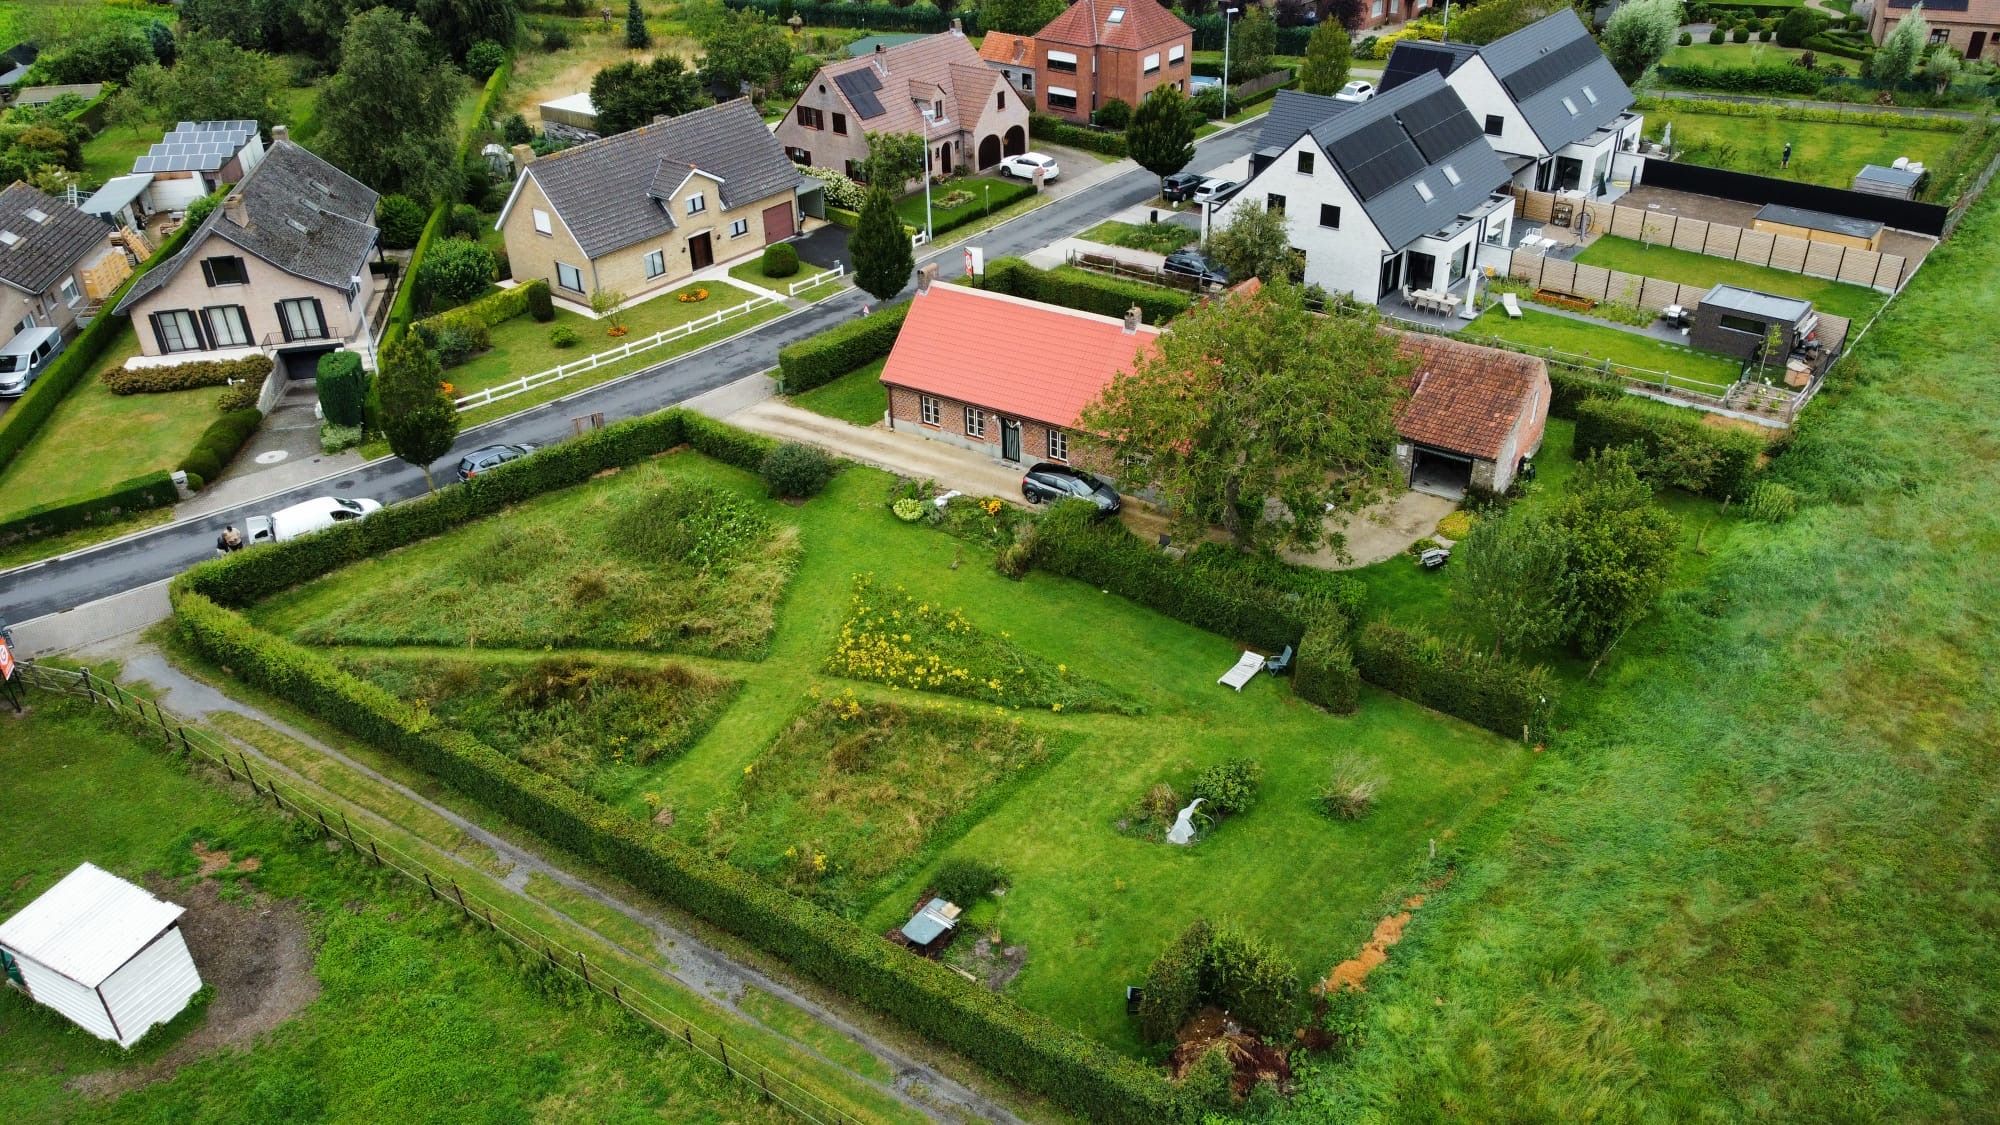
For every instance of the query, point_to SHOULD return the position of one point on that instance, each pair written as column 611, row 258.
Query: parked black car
column 491, row 457
column 1179, row 187
column 1046, row 482
column 1190, row 263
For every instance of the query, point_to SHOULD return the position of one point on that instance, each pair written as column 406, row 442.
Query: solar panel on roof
column 1410, row 60
column 860, row 87
column 1439, row 125
column 1551, row 68
column 1377, row 157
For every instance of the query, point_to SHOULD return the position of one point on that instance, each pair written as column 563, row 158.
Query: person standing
column 1785, row 160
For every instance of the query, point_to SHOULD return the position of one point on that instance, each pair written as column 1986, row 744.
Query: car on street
column 1214, row 191
column 1024, row 167
column 1179, row 187
column 1356, row 91
column 1190, row 263
column 490, row 457
column 1046, row 481
column 306, row 517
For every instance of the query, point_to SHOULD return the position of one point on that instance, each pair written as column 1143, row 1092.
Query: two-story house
column 1101, row 50
column 1545, row 96
column 638, row 212
column 1398, row 192
column 937, row 88
column 54, row 261
column 1970, row 26
column 280, row 267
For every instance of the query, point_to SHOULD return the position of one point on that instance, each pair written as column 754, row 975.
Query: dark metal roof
column 1412, row 57
column 861, row 86
column 1558, row 78
column 1292, row 113
column 36, row 252
column 1893, row 177
column 1387, row 146
column 1764, row 306
column 1819, row 220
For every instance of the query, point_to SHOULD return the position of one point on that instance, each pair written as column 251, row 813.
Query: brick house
column 1473, row 414
column 1018, row 403
column 1098, row 50
column 936, row 87
column 54, row 262
column 638, row 212
column 1014, row 56
column 1970, row 26
column 1378, row 13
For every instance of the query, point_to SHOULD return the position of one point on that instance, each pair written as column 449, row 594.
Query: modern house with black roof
column 1546, row 98
column 1399, row 192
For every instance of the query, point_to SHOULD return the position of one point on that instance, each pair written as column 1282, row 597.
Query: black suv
column 1046, row 482
column 491, row 457
column 1179, row 187
column 1190, row 263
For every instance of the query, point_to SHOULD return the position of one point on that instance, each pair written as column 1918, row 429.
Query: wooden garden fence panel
column 1691, row 235
column 1789, row 254
column 1628, row 223
column 1723, row 240
column 1592, row 282
column 1823, row 259
column 1754, row 246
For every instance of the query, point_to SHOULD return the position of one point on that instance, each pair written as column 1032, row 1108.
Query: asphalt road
column 96, row 572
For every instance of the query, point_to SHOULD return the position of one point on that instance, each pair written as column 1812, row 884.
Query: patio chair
column 1280, row 662
column 1247, row 666
column 1512, row 305
column 1409, row 298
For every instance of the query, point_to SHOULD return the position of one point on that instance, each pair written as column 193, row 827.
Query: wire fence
column 193, row 742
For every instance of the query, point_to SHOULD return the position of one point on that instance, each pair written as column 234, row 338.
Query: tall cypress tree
column 1161, row 134
column 636, row 35
column 882, row 255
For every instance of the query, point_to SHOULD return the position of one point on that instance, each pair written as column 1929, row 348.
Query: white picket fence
column 838, row 271
column 596, row 360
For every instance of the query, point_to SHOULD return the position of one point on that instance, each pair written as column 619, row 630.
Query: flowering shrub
column 689, row 296
column 841, row 192
column 1456, row 526
column 893, row 638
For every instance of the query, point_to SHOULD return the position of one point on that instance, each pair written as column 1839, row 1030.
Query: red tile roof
column 1144, row 23
column 1467, row 399
column 1002, row 47
column 1010, row 355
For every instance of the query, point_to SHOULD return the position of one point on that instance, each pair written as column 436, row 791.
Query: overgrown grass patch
column 1159, row 238
column 1579, row 341
column 1823, row 152
column 1855, row 302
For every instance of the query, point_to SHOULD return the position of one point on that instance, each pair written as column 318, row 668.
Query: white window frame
column 1053, row 92
column 1062, row 57
column 739, row 228
column 1151, row 64
column 561, row 284
column 1176, row 53
column 72, row 295
column 1451, row 173
column 1058, row 445
column 697, row 203
column 238, row 323
column 543, row 225
column 927, row 410
column 656, row 264
column 975, row 422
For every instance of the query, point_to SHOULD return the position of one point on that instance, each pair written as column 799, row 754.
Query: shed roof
column 928, row 923
column 42, row 95
column 42, row 238
column 88, row 925
column 1899, row 178
column 1819, row 220
column 1009, row 354
column 1765, row 306
column 116, row 193
column 1464, row 398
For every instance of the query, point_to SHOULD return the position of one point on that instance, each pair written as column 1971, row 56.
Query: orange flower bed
column 692, row 295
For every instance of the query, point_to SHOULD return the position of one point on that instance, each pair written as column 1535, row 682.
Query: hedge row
column 1081, row 289
column 1231, row 600
column 154, row 490
column 835, row 352
column 1810, row 114
column 987, row 198
column 1826, row 44
column 1323, row 672
column 1508, row 698
column 1048, row 127
column 486, row 312
column 875, row 17
column 1674, row 446
column 1743, row 79
column 219, row 444
column 342, row 388
column 400, row 309
column 1569, row 388
column 32, row 410
column 129, row 380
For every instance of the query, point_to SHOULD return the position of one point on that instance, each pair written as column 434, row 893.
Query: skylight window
column 1117, row 16
column 38, row 215
column 1570, row 104
column 8, row 238
column 297, row 226
column 1590, row 95
column 1451, row 173
column 1424, row 190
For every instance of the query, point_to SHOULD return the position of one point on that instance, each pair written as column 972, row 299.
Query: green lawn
column 752, row 273
column 1822, row 152
column 1855, row 302
column 1540, row 329
column 1737, row 55
column 1000, row 190
column 409, row 1009
column 96, row 439
column 1160, row 238
column 855, row 397
column 114, row 149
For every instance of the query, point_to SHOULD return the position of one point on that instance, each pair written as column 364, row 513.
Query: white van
column 306, row 517
column 23, row 358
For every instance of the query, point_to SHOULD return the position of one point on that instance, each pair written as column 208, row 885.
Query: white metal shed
column 104, row 953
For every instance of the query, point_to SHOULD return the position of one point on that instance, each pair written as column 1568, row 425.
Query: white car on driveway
column 1215, row 191
column 1356, row 91
column 1024, row 167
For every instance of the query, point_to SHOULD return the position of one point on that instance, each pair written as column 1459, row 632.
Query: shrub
column 515, row 130
column 541, row 305
column 1568, row 388
column 1771, row 502
column 1455, row 525
column 1114, row 114
column 780, row 260
column 199, row 462
column 401, row 221
column 563, row 336
column 555, row 38
column 1208, row 964
column 483, row 58
column 130, row 380
column 1508, row 698
column 1323, row 671
column 841, row 190
column 1741, row 79
column 220, row 442
column 453, row 344
column 194, row 481
column 1687, row 38
column 1740, row 35
column 334, row 438
column 1082, row 289
column 343, row 388
column 839, row 350
column 964, row 880
column 1229, row 787
column 1047, row 127
column 795, row 471
column 1764, row 35
column 1715, row 35
column 142, row 493
column 463, row 221
column 1674, row 448
column 244, row 394
column 452, row 273
column 693, row 523
column 1350, row 793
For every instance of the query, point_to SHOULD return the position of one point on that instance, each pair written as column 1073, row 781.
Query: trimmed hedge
column 927, row 997
column 874, row 17
column 343, row 388
column 154, row 490
column 1081, row 289
column 988, row 198
column 1743, row 79
column 1674, row 447
column 1048, row 127
column 1508, row 698
column 486, row 312
column 129, row 380
column 1569, row 388
column 220, row 443
column 1236, row 599
column 835, row 352
column 1323, row 672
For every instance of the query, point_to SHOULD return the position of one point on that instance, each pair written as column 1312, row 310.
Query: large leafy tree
column 1618, row 547
column 1896, row 59
column 1639, row 35
column 1510, row 581
column 417, row 415
column 1329, row 55
column 1254, row 243
column 215, row 80
column 1161, row 134
column 387, row 115
column 455, row 25
column 742, row 48
column 1022, row 17
column 630, row 94
column 880, row 247
column 1258, row 415
column 894, row 159
column 1252, row 43
column 1490, row 19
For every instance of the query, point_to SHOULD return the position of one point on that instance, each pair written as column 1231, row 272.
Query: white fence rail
column 596, row 360
column 838, row 271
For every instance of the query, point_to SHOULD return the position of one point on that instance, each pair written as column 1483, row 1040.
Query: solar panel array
column 197, row 146
column 1376, row 157
column 860, row 86
column 1545, row 71
column 1440, row 125
column 1411, row 59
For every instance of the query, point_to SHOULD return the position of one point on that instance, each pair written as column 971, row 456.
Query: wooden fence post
column 186, row 750
column 429, row 886
column 324, row 831
column 375, row 851
column 461, row 898
column 88, row 689
column 724, row 1045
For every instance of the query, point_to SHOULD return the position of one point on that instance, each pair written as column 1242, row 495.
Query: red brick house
column 1098, row 50
column 1472, row 415
column 950, row 377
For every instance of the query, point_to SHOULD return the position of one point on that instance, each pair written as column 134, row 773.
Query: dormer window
column 1424, row 190
column 937, row 110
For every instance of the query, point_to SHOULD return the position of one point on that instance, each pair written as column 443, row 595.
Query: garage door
column 778, row 223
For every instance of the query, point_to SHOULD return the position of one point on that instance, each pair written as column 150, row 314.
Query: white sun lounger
column 1247, row 666
column 1513, row 306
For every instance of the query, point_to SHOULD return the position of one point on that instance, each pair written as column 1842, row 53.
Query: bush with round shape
column 194, row 482
column 1716, row 35
column 200, row 462
column 965, row 880
column 463, row 221
column 1764, row 35
column 484, row 58
column 555, row 38
column 563, row 336
column 453, row 272
column 795, row 471
column 1229, row 787
column 401, row 221
column 1687, row 37
column 541, row 306
column 908, row 510
column 781, row 259
column 1114, row 114
column 1740, row 35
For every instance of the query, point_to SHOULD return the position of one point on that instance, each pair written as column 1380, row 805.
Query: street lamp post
column 1226, row 21
column 928, row 235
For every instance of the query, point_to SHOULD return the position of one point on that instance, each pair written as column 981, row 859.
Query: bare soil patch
column 1253, row 1059
column 1350, row 974
column 256, row 954
column 993, row 962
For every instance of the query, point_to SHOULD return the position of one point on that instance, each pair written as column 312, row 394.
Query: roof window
column 1570, row 104
column 1590, row 95
column 8, row 238
column 297, row 226
column 38, row 215
column 1424, row 190
column 1117, row 16
column 1451, row 173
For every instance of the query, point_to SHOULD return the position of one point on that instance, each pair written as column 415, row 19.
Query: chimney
column 524, row 155
column 925, row 276
column 958, row 28
column 1132, row 316
column 280, row 133
column 878, row 48
column 232, row 209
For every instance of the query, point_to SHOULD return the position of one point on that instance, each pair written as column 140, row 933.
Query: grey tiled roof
column 602, row 189
column 1292, row 113
column 1517, row 57
column 306, row 217
column 1399, row 211
column 43, row 251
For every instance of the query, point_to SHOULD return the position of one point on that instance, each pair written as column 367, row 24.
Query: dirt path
column 677, row 953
